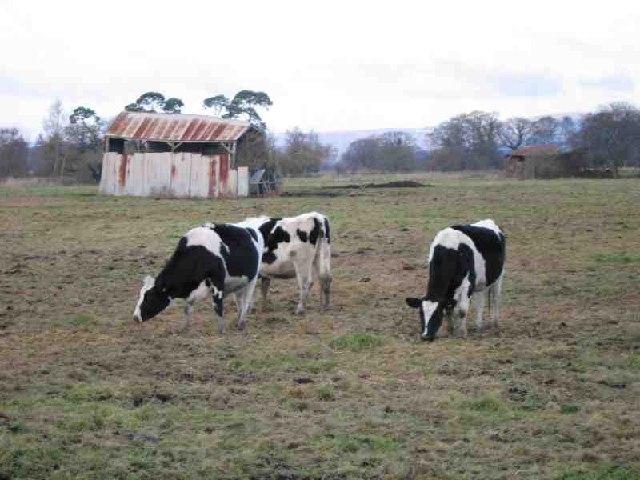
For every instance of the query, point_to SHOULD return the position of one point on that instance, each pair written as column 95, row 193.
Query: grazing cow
column 463, row 260
column 213, row 259
column 296, row 247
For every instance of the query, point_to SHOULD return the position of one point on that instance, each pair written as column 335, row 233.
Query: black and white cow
column 463, row 260
column 296, row 247
column 213, row 259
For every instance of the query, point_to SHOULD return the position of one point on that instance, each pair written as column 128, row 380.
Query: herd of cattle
column 218, row 259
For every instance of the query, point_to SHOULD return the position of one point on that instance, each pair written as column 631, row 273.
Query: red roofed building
column 543, row 161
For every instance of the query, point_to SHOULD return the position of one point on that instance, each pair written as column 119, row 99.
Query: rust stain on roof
column 533, row 149
column 176, row 127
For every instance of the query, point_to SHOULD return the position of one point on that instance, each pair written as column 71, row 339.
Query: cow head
column 152, row 300
column 430, row 315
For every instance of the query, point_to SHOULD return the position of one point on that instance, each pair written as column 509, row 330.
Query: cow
column 296, row 247
column 464, row 260
column 212, row 259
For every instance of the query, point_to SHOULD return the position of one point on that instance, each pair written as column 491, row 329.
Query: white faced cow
column 463, row 260
column 213, row 259
column 296, row 247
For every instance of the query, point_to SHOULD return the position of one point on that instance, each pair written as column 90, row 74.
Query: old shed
column 543, row 161
column 175, row 155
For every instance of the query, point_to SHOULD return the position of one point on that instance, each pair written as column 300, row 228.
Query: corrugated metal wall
column 172, row 175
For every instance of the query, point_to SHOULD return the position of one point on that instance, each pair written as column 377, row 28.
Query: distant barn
column 544, row 161
column 175, row 155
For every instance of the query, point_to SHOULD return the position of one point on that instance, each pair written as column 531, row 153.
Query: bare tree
column 567, row 129
column 13, row 153
column 53, row 126
column 545, row 131
column 392, row 151
column 611, row 136
column 364, row 153
column 515, row 132
column 302, row 153
column 467, row 141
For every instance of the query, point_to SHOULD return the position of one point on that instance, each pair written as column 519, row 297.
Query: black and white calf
column 463, row 260
column 213, row 259
column 296, row 247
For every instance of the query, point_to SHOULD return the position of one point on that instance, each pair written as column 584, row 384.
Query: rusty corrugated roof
column 165, row 127
column 533, row 149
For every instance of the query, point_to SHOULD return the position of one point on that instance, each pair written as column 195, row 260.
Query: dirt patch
column 316, row 193
column 353, row 189
column 397, row 184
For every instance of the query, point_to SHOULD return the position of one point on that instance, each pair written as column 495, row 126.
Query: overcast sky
column 331, row 65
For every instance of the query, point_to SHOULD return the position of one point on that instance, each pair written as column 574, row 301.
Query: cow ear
column 413, row 302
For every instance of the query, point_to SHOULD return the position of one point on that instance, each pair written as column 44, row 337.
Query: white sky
column 331, row 65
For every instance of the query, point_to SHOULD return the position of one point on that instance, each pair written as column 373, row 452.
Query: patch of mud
column 317, row 193
column 397, row 184
column 352, row 190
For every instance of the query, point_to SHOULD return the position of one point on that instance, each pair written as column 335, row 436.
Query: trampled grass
column 347, row 393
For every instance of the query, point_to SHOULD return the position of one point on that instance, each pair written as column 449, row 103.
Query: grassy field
column 347, row 393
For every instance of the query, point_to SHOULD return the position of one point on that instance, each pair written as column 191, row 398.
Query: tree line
column 71, row 145
column 609, row 137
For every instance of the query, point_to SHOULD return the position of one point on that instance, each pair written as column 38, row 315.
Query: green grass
column 349, row 393
column 76, row 320
column 602, row 472
column 355, row 341
column 618, row 257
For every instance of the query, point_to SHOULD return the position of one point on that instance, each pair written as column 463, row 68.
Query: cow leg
column 325, row 292
column 462, row 315
column 218, row 297
column 303, row 274
column 462, row 305
column 480, row 298
column 264, row 289
column 495, row 291
column 240, row 301
column 188, row 311
column 245, row 299
column 450, row 320
column 462, row 329
column 322, row 266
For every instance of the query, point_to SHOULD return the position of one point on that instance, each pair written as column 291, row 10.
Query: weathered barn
column 175, row 155
column 543, row 161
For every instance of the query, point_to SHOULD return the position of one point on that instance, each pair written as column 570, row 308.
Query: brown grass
column 348, row 393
